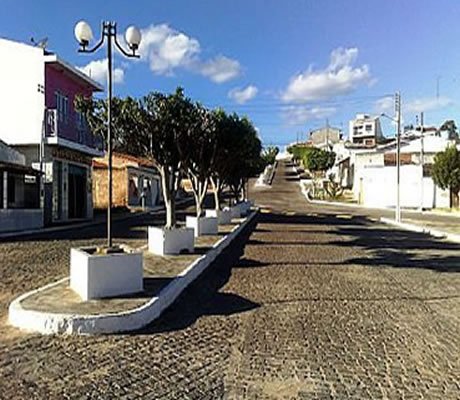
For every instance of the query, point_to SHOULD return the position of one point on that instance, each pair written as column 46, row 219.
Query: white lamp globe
column 83, row 33
column 133, row 37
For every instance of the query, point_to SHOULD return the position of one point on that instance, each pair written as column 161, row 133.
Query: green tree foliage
column 318, row 160
column 269, row 154
column 446, row 172
column 181, row 137
column 199, row 164
column 246, row 161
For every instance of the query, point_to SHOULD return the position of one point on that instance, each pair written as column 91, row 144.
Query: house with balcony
column 365, row 131
column 37, row 95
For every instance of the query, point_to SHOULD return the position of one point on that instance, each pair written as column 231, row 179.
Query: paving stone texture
column 310, row 303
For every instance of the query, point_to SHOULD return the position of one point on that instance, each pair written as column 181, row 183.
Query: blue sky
column 288, row 65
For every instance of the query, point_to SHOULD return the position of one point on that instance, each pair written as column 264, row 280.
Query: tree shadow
column 203, row 297
column 385, row 246
column 400, row 249
column 132, row 227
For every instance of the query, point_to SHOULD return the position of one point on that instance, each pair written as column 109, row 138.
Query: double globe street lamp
column 84, row 35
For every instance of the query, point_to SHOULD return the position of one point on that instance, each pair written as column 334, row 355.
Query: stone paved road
column 315, row 306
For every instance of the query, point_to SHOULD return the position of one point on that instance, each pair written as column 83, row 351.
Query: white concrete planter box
column 224, row 216
column 235, row 211
column 170, row 241
column 245, row 207
column 95, row 276
column 203, row 225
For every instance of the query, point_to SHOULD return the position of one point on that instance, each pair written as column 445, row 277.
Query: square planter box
column 224, row 216
column 170, row 241
column 245, row 207
column 203, row 225
column 94, row 275
column 235, row 211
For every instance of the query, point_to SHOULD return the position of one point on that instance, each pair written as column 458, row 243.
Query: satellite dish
column 42, row 43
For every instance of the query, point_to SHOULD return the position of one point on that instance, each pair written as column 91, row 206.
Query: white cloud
column 340, row 77
column 242, row 96
column 298, row 115
column 220, row 69
column 384, row 105
column 426, row 104
column 166, row 49
column 97, row 70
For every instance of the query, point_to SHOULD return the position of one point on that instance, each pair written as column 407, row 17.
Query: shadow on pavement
column 202, row 297
column 388, row 247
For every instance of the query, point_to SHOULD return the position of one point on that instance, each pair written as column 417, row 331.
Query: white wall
column 20, row 219
column 378, row 188
column 22, row 105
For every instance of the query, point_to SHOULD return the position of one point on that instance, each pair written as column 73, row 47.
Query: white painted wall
column 378, row 188
column 22, row 70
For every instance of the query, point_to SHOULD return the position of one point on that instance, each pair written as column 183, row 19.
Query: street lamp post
column 398, row 154
column 84, row 35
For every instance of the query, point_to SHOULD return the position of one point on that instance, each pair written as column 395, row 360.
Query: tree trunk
column 169, row 198
column 216, row 191
column 454, row 199
column 245, row 190
column 198, row 205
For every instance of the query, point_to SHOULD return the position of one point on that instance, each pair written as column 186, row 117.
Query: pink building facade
column 53, row 136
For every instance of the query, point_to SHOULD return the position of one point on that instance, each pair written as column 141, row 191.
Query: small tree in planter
column 157, row 127
column 171, row 120
column 199, row 165
column 224, row 158
column 246, row 159
column 318, row 161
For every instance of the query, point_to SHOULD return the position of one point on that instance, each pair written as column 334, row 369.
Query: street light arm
column 83, row 49
column 390, row 118
column 123, row 51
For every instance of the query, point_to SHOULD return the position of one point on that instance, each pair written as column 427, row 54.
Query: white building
column 374, row 182
column 365, row 130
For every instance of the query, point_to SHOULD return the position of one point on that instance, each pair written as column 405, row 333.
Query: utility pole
column 398, row 156
column 327, row 133
column 422, row 150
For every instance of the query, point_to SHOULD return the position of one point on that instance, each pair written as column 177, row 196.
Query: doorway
column 77, row 192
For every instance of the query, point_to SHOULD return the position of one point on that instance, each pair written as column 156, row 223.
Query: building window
column 62, row 107
column 368, row 128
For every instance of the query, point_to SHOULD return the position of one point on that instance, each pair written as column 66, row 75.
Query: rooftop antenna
column 42, row 43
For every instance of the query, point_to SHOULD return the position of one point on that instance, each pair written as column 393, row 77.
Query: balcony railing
column 75, row 129
column 51, row 123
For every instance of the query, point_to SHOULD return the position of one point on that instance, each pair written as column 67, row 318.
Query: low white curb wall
column 50, row 323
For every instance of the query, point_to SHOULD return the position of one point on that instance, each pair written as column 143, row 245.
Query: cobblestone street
column 310, row 303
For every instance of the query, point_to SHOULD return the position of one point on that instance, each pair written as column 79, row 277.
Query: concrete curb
column 269, row 179
column 53, row 323
column 422, row 229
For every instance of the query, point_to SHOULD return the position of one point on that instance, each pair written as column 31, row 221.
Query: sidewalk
column 98, row 219
column 441, row 225
column 448, row 231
